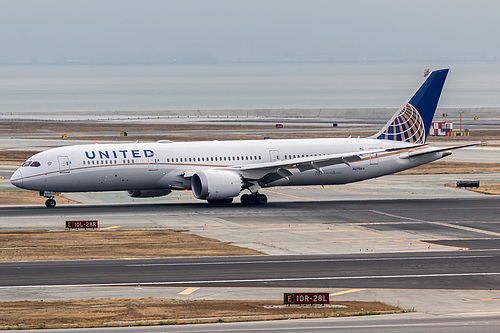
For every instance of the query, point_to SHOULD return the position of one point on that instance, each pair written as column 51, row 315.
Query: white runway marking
column 405, row 276
column 302, row 261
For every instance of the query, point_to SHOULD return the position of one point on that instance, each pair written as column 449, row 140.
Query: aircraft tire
column 244, row 199
column 252, row 200
column 50, row 203
column 261, row 199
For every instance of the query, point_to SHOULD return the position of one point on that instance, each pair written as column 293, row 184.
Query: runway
column 410, row 322
column 301, row 227
column 471, row 270
column 422, row 244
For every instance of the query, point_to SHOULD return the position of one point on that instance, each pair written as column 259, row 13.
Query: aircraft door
column 373, row 157
column 64, row 165
column 153, row 163
column 274, row 155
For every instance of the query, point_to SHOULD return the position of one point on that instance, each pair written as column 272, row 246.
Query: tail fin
column 413, row 120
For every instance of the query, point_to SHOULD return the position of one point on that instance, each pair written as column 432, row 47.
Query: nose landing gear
column 50, row 202
column 253, row 199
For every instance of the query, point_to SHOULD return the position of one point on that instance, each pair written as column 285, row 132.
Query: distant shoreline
column 291, row 113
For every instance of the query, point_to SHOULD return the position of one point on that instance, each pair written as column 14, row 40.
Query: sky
column 205, row 31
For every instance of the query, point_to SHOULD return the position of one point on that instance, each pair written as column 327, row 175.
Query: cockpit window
column 27, row 163
column 35, row 164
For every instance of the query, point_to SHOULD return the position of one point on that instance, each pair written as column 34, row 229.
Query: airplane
column 218, row 171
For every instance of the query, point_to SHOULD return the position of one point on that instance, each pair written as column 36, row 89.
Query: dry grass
column 149, row 311
column 439, row 167
column 110, row 244
column 224, row 136
column 15, row 157
column 28, row 198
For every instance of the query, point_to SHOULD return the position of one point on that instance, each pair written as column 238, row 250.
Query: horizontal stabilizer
column 437, row 150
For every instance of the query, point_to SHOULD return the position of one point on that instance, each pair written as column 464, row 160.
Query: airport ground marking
column 112, row 227
column 374, row 193
column 394, row 237
column 308, row 260
column 262, row 280
column 189, row 291
column 346, row 292
column 479, row 312
column 288, row 195
column 414, row 240
column 491, row 233
column 396, row 216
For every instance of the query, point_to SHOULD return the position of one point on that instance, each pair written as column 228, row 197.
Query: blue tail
column 413, row 120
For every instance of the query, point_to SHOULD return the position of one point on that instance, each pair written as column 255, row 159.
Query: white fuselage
column 167, row 165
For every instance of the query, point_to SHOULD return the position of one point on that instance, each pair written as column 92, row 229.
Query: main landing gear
column 253, row 199
column 50, row 202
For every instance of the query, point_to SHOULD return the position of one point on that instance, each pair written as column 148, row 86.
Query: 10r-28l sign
column 307, row 298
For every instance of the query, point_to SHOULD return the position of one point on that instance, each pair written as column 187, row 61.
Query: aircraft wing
column 280, row 167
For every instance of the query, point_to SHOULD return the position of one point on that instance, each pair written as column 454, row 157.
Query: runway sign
column 307, row 298
column 81, row 224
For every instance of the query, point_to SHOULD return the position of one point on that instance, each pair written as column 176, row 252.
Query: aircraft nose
column 17, row 178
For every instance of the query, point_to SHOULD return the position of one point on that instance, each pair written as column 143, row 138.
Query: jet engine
column 215, row 184
column 147, row 193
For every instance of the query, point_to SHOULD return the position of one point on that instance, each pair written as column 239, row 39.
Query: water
column 38, row 89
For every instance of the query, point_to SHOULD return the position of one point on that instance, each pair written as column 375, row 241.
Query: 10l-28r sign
column 81, row 224
column 307, row 298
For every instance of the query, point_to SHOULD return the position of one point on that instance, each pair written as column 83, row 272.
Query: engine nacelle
column 216, row 184
column 147, row 193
